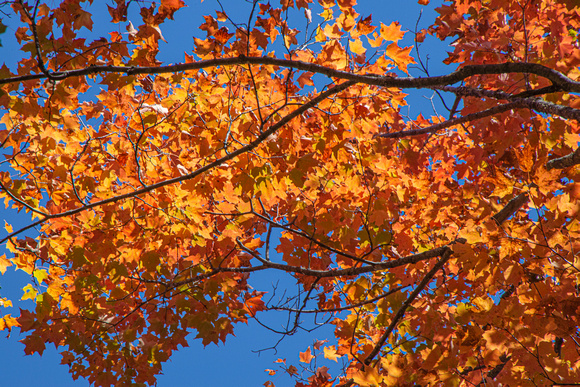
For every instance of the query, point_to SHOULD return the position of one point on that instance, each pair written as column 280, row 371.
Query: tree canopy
column 442, row 246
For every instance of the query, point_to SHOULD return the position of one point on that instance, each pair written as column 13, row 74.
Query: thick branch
column 510, row 208
column 466, row 91
column 453, row 121
column 565, row 161
column 564, row 83
column 524, row 98
column 530, row 103
column 352, row 271
column 520, row 200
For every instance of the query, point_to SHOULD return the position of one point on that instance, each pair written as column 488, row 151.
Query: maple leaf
column 306, row 356
column 254, row 304
column 83, row 19
column 7, row 322
column 400, row 56
column 330, row 353
column 33, row 344
column 169, row 7
column 367, row 377
column 120, row 13
column 392, row 32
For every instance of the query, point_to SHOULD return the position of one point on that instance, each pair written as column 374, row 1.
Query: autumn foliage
column 442, row 247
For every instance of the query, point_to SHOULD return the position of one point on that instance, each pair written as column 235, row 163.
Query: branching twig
column 342, row 308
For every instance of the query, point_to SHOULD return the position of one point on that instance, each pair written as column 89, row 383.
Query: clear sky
column 235, row 363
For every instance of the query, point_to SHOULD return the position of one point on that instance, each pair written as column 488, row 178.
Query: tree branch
column 352, row 271
column 452, row 122
column 510, row 208
column 525, row 98
column 560, row 80
column 565, row 161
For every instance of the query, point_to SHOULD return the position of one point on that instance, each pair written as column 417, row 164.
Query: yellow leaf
column 330, row 353
column 7, row 322
column 508, row 272
column 320, row 37
column 571, row 139
column 326, row 14
column 40, row 275
column 574, row 226
column 355, row 291
column 503, row 186
column 401, row 193
column 400, row 56
column 377, row 41
column 30, row 293
column 394, row 371
column 4, row 263
column 471, row 235
column 7, row 227
column 332, row 31
column 6, row 303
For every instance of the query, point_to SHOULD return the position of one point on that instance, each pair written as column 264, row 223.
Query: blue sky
column 233, row 363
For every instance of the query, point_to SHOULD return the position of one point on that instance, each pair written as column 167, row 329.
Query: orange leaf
column 392, row 32
column 367, row 377
column 357, row 47
column 7, row 322
column 306, row 357
column 400, row 56
column 292, row 370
